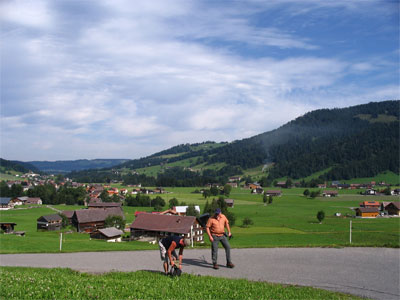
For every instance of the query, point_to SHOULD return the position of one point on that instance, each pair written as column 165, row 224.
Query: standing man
column 216, row 232
column 167, row 250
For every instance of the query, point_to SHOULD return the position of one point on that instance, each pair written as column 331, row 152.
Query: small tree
column 270, row 199
column 173, row 202
column 191, row 211
column 64, row 222
column 115, row 221
column 306, row 192
column 320, row 216
column 265, row 199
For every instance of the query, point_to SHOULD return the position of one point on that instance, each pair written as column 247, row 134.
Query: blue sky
column 125, row 79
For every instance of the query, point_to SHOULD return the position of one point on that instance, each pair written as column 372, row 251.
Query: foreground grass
column 36, row 283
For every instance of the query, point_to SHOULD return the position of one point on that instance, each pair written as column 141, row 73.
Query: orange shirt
column 217, row 224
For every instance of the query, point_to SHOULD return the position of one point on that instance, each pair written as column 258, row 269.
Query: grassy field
column 290, row 221
column 35, row 283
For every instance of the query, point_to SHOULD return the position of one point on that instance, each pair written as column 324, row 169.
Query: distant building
column 158, row 226
column 110, row 234
column 369, row 212
column 49, row 222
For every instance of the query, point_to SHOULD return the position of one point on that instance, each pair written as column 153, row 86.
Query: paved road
column 367, row 272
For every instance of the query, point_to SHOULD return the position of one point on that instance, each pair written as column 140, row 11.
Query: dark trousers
column 214, row 248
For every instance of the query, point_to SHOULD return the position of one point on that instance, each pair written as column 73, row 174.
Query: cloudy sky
column 124, row 79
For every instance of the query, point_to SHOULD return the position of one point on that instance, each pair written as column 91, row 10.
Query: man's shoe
column 215, row 266
column 230, row 265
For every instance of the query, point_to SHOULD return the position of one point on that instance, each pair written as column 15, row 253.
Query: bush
column 247, row 222
column 320, row 216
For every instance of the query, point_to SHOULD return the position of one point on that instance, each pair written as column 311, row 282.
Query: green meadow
column 290, row 221
column 36, row 283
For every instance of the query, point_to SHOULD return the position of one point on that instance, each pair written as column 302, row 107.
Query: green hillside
column 359, row 141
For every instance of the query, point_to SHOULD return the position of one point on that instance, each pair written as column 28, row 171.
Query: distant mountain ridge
column 356, row 141
column 17, row 166
column 66, row 166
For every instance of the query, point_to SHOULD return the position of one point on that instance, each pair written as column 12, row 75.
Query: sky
column 125, row 79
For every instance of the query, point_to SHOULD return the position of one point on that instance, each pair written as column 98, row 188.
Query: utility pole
column 350, row 231
column 60, row 241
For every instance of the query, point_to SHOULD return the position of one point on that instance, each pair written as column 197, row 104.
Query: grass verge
column 37, row 283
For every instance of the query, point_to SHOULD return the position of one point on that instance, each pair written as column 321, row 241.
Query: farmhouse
column 89, row 220
column 393, row 208
column 49, row 222
column 159, row 226
column 34, row 201
column 273, row 193
column 370, row 204
column 110, row 234
column 229, row 202
column 258, row 191
column 367, row 212
column 329, row 193
column 6, row 203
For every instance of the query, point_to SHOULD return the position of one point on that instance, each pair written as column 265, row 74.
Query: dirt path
column 367, row 272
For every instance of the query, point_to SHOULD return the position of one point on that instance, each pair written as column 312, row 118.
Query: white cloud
column 131, row 78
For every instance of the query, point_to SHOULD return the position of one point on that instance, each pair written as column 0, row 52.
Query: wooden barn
column 159, row 226
column 367, row 212
column 7, row 227
column 89, row 220
column 49, row 222
column 110, row 234
column 273, row 193
column 393, row 208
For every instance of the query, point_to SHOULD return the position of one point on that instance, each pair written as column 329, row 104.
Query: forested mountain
column 65, row 166
column 17, row 166
column 358, row 141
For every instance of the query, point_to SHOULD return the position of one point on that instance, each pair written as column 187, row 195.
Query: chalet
column 18, row 200
column 370, row 204
column 89, row 220
column 7, row 227
column 281, row 184
column 396, row 192
column 33, row 201
column 181, row 210
column 393, row 208
column 49, row 222
column 343, row 186
column 6, row 203
column 367, row 212
column 159, row 226
column 253, row 186
column 124, row 191
column 159, row 190
column 383, row 206
column 232, row 184
column 329, row 193
column 370, row 192
column 104, row 205
column 234, row 178
column 229, row 202
column 110, row 234
column 274, row 193
column 258, row 191
column 322, row 186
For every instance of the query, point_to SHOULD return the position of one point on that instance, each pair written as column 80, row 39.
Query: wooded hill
column 358, row 141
